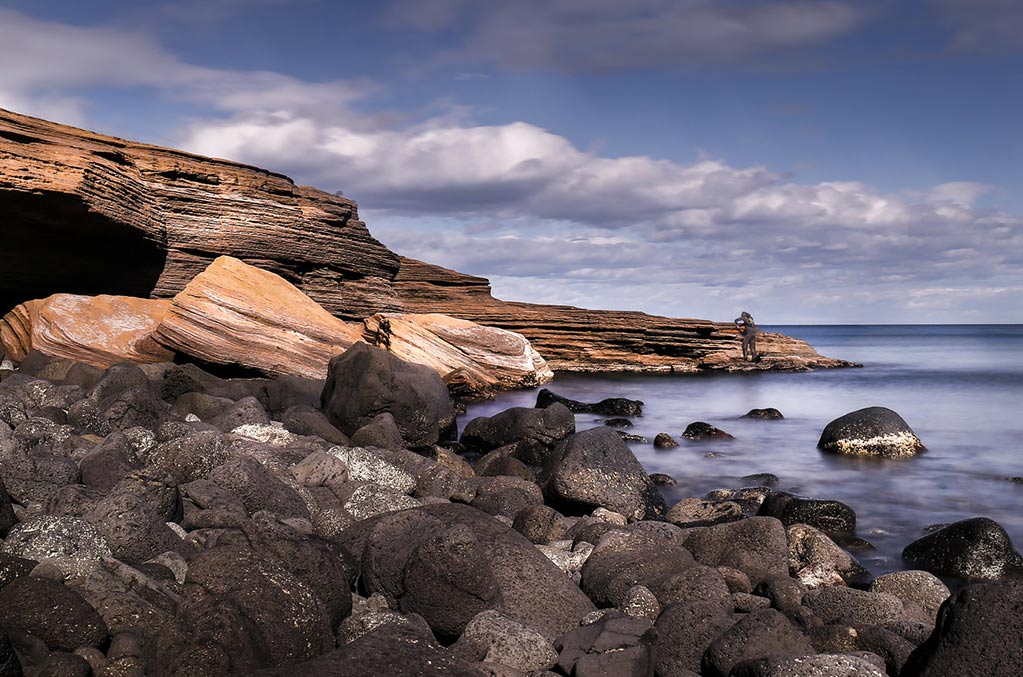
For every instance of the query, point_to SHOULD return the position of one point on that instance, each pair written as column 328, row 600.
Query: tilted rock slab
column 462, row 352
column 234, row 313
column 98, row 330
column 92, row 214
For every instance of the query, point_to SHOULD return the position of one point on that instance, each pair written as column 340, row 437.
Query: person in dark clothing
column 748, row 329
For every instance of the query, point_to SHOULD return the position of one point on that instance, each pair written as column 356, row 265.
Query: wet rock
column 699, row 431
column 759, row 634
column 763, row 479
column 757, row 546
column 661, row 480
column 365, row 381
column 617, row 422
column 664, row 441
column 873, row 431
column 612, row 406
column 533, row 431
column 696, row 512
column 979, row 632
column 52, row 612
column 629, row 437
column 595, row 468
column 817, row 561
column 977, row 549
column 833, row 517
column 612, row 646
column 919, row 588
column 767, row 414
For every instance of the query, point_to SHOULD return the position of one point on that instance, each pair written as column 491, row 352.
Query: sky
column 810, row 161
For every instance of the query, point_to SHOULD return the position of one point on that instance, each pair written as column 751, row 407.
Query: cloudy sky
column 818, row 161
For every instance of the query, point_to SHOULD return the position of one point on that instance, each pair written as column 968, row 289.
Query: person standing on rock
column 748, row 329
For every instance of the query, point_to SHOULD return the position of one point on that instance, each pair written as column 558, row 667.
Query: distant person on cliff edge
column 748, row 330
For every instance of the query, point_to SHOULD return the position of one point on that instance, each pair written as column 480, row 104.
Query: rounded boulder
column 873, row 431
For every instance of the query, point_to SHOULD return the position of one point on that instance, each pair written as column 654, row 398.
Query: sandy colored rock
column 98, row 330
column 234, row 313
column 458, row 349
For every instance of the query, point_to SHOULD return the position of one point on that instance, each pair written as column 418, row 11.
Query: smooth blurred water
column 960, row 387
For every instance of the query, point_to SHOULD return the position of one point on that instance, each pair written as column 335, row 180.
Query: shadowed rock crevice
column 59, row 234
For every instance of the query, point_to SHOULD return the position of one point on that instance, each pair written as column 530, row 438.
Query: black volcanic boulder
column 979, row 633
column 767, row 414
column 614, row 645
column 975, row 549
column 612, row 406
column 874, row 431
column 364, row 382
column 756, row 546
column 532, row 430
column 596, row 468
column 430, row 546
column 759, row 634
column 699, row 431
column 827, row 515
column 52, row 612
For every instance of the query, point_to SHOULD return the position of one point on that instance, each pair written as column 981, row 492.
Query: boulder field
column 92, row 215
column 156, row 519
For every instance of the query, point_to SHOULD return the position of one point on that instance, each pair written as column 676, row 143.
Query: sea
column 959, row 387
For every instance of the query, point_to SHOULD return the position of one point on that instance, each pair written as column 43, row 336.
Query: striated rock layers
column 91, row 214
column 238, row 315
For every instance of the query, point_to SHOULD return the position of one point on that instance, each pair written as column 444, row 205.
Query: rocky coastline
column 229, row 445
column 157, row 519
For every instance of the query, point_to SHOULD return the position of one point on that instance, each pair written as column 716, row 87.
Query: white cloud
column 528, row 208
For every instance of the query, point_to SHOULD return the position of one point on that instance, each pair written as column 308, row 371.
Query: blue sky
column 809, row 161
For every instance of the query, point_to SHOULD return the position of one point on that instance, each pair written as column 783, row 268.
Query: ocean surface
column 960, row 387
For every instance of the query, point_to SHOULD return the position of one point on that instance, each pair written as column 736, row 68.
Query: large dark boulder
column 52, row 612
column 131, row 528
column 975, row 549
column 258, row 488
column 685, row 630
column 596, row 468
column 612, row 406
column 699, row 431
column 756, row 546
column 831, row 665
column 830, row 516
column 288, row 618
column 532, row 590
column 533, row 430
column 365, row 382
column 627, row 558
column 757, row 635
column 873, row 431
column 978, row 634
column 7, row 518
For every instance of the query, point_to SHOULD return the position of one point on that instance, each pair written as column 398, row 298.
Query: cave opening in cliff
column 53, row 243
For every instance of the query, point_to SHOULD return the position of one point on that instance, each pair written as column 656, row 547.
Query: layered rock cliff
column 90, row 214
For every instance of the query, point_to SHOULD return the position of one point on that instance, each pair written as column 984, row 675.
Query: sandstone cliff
column 90, row 214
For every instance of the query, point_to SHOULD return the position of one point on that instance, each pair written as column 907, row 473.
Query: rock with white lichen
column 873, row 431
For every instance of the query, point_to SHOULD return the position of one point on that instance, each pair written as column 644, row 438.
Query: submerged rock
column 873, row 431
column 698, row 431
column 612, row 406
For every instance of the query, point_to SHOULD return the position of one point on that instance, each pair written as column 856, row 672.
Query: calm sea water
column 960, row 387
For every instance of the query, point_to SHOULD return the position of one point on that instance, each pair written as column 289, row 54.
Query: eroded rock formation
column 91, row 214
